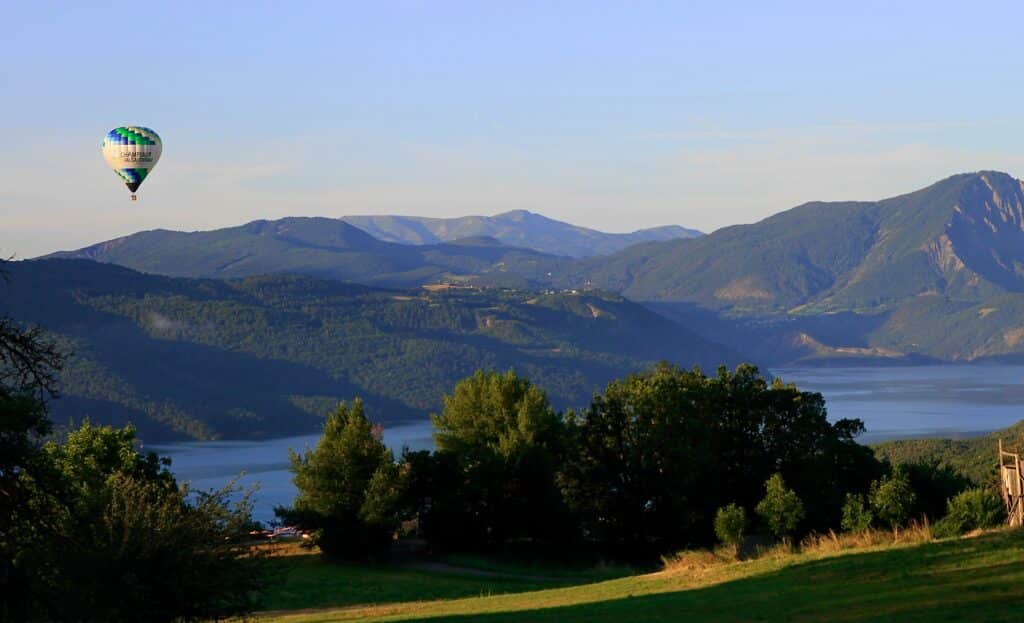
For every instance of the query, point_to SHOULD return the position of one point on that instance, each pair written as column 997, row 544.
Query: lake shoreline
column 895, row 403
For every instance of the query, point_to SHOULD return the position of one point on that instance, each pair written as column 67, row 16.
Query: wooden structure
column 1011, row 484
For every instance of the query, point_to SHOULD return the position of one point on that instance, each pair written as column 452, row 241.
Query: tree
column 657, row 453
column 90, row 455
column 126, row 543
column 349, row 488
column 30, row 362
column 642, row 460
column 504, row 442
column 730, row 523
column 92, row 530
column 781, row 508
column 892, row 498
column 857, row 516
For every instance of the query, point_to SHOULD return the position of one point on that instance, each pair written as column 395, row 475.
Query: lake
column 893, row 402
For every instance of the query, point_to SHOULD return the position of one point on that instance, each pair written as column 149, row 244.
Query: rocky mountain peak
column 986, row 228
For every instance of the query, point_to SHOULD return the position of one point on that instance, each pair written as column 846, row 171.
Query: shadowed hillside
column 268, row 356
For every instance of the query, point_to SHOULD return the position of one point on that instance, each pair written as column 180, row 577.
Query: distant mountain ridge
column 319, row 247
column 518, row 228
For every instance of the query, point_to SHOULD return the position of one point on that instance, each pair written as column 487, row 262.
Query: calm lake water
column 893, row 402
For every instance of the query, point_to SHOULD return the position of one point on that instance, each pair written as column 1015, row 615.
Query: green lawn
column 976, row 579
column 575, row 573
column 306, row 581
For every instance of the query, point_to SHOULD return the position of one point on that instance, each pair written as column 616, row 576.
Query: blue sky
column 610, row 115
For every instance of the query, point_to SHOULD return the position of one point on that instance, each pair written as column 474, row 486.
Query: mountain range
column 937, row 273
column 318, row 247
column 933, row 275
column 270, row 355
column 518, row 228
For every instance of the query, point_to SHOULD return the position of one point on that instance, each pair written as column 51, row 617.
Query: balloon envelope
column 132, row 151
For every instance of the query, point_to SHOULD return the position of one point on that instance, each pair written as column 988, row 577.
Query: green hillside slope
column 934, row 274
column 976, row 457
column 267, row 356
column 972, row 579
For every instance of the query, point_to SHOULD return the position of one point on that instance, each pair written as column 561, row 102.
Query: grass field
column 301, row 580
column 973, row 579
column 574, row 574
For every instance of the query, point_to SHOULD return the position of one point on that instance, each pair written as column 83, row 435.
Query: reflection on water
column 894, row 402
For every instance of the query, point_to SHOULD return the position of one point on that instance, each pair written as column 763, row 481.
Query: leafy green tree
column 349, row 488
column 91, row 454
column 642, row 463
column 781, row 508
column 857, row 515
column 657, row 453
column 129, row 544
column 504, row 442
column 973, row 509
column 730, row 524
column 892, row 498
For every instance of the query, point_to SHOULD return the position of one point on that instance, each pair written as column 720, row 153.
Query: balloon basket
column 134, row 198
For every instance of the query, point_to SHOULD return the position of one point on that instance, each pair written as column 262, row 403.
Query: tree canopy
column 658, row 452
column 348, row 487
column 499, row 446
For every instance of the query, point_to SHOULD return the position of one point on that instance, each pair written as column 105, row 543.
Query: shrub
column 892, row 498
column 857, row 516
column 781, row 508
column 971, row 510
column 126, row 543
column 730, row 522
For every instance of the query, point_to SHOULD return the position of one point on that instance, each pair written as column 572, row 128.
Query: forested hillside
column 265, row 356
column 976, row 457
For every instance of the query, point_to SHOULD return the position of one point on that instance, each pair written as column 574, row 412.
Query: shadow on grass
column 963, row 580
column 306, row 581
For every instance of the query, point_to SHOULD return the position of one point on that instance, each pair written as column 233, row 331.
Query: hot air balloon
column 132, row 151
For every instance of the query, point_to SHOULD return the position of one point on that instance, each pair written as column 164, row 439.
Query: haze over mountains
column 518, row 228
column 936, row 274
column 511, row 249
